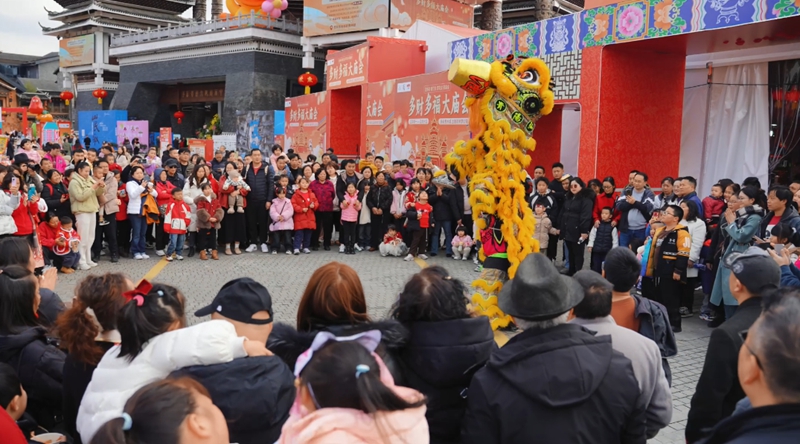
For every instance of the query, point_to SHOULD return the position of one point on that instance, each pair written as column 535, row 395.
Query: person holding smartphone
column 636, row 205
column 9, row 201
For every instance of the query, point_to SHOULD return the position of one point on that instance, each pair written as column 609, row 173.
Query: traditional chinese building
column 85, row 36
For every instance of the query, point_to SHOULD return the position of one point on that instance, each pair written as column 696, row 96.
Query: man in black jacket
column 753, row 273
column 554, row 382
column 379, row 202
column 258, row 202
column 445, row 212
column 255, row 394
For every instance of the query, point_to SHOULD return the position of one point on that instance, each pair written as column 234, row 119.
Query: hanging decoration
column 100, row 94
column 66, row 96
column 179, row 115
column 273, row 8
column 36, row 106
column 308, row 80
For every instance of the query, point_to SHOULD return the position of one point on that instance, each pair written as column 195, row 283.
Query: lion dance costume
column 505, row 100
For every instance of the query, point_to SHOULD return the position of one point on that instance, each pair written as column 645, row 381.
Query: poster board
column 254, row 130
column 224, row 140
column 347, row 67
column 447, row 12
column 306, row 129
column 202, row 147
column 99, row 126
column 131, row 129
column 64, row 126
column 164, row 138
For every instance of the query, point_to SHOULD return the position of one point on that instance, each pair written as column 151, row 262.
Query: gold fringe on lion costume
column 506, row 99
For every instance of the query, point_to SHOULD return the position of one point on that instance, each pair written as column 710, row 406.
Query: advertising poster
column 254, row 130
column 99, row 126
column 306, row 124
column 132, row 129
column 324, row 17
column 447, row 12
column 76, row 51
column 164, row 138
column 202, row 147
column 414, row 118
column 347, row 68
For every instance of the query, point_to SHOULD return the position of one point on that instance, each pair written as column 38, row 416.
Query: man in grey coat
column 594, row 313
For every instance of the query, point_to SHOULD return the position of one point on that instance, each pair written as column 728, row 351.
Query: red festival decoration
column 179, row 115
column 100, row 94
column 308, row 80
column 793, row 95
column 66, row 96
column 36, row 106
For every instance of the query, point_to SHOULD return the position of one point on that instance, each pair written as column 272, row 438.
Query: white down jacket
column 116, row 379
column 8, row 204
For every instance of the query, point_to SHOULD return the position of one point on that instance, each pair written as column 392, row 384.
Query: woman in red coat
column 234, row 229
column 607, row 198
column 305, row 204
column 325, row 192
column 164, row 189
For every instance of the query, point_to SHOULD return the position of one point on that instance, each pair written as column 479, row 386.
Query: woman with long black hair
column 576, row 222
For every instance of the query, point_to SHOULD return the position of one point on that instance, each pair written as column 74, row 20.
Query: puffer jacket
column 82, row 198
column 52, row 196
column 439, row 360
column 206, row 209
column 350, row 213
column 325, row 192
column 576, row 217
column 115, row 379
column 163, row 191
column 300, row 201
column 8, row 204
column 190, row 195
column 380, row 197
column 281, row 207
column 108, row 199
column 26, row 215
column 352, row 426
column 288, row 343
column 39, row 364
column 543, row 230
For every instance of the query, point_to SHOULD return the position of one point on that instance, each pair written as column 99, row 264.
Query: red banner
column 416, row 118
column 347, row 68
column 164, row 138
column 306, row 124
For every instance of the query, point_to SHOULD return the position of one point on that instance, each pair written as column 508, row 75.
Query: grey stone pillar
column 251, row 91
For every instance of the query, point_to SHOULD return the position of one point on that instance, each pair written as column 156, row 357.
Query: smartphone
column 31, row 192
column 14, row 181
column 428, row 159
column 629, row 192
column 778, row 248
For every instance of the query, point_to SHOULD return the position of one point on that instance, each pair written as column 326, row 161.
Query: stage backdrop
column 414, row 118
column 130, row 129
column 306, row 124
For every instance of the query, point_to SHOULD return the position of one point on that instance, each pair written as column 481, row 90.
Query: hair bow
column 369, row 339
column 138, row 293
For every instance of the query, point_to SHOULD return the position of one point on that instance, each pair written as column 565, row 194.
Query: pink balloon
column 276, row 13
column 284, row 5
column 267, row 7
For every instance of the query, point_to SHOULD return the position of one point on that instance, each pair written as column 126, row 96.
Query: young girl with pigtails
column 342, row 381
column 154, row 341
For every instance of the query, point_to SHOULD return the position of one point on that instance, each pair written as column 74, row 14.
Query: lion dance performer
column 505, row 100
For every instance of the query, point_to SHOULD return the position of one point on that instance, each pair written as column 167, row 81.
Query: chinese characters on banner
column 325, row 17
column 347, row 68
column 306, row 124
column 414, row 118
column 164, row 138
column 447, row 12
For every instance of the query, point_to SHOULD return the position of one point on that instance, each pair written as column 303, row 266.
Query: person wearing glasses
column 576, row 222
column 753, row 273
column 768, row 364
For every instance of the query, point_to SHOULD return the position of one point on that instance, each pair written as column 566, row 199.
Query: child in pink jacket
column 330, row 407
column 350, row 209
column 282, row 225
column 462, row 244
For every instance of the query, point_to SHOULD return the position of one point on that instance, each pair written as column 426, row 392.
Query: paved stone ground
column 383, row 278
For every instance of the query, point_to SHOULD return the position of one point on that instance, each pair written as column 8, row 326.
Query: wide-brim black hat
column 538, row 291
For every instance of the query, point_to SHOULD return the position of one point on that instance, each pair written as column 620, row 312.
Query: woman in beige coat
column 83, row 193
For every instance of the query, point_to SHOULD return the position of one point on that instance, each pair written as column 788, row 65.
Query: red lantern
column 308, row 80
column 179, row 115
column 100, row 94
column 66, row 96
column 793, row 95
column 36, row 106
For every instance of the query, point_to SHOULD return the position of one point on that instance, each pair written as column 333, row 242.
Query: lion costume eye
column 529, row 76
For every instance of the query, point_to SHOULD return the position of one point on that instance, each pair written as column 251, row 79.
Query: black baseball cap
column 239, row 300
column 171, row 163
